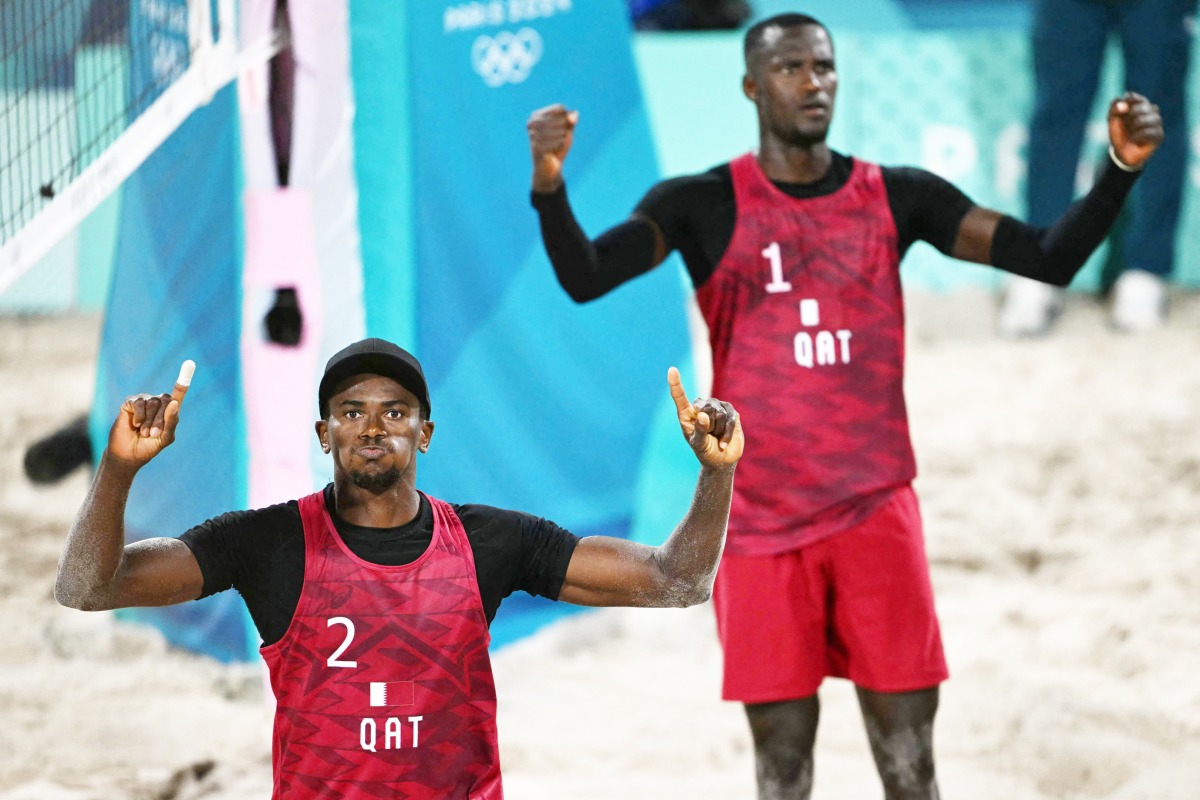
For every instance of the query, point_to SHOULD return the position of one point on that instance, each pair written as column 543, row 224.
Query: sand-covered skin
column 1060, row 483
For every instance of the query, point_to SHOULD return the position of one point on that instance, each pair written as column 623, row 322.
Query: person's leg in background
column 887, row 640
column 1068, row 42
column 856, row 605
column 772, row 625
column 1156, row 40
column 900, row 729
column 784, row 734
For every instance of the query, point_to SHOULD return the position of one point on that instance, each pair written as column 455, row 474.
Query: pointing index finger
column 186, row 371
column 677, row 393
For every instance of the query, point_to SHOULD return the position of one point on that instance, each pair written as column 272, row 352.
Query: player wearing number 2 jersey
column 794, row 252
column 373, row 599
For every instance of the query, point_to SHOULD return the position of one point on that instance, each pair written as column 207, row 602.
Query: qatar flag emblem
column 392, row 693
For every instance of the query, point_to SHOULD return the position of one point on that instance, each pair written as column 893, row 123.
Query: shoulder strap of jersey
column 746, row 174
column 315, row 519
column 450, row 527
column 447, row 523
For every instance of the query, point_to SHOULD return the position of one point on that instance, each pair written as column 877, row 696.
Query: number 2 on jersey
column 333, row 659
column 777, row 284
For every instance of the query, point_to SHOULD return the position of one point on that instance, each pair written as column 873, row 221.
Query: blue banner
column 541, row 405
column 176, row 295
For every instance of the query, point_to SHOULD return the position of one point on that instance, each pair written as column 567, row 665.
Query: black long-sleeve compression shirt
column 697, row 213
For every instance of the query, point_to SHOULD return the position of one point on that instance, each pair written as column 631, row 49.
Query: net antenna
column 52, row 174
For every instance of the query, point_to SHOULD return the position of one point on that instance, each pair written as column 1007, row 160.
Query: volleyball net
column 88, row 90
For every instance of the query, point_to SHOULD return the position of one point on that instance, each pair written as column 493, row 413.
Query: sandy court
column 1060, row 483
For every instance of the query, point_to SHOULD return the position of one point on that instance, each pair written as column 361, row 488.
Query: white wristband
column 1121, row 164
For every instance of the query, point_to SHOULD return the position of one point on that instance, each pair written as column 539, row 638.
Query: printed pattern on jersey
column 806, row 323
column 383, row 682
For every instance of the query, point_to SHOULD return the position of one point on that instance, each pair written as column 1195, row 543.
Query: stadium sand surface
column 1060, row 484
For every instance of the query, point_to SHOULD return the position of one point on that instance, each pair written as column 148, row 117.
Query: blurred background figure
column 1069, row 40
column 57, row 455
column 688, row 15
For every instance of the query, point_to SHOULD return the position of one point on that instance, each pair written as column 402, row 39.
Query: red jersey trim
column 751, row 172
column 393, row 568
column 453, row 527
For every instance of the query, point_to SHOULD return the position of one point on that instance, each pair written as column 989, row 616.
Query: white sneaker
column 1030, row 308
column 1139, row 301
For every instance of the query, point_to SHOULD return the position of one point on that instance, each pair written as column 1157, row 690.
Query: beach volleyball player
column 372, row 598
column 794, row 252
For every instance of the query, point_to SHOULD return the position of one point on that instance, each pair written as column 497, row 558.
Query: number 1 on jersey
column 777, row 284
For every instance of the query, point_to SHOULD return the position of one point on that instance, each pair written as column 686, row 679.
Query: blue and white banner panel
column 175, row 295
column 541, row 405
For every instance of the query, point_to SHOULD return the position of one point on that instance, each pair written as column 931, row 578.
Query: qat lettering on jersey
column 820, row 348
column 392, row 736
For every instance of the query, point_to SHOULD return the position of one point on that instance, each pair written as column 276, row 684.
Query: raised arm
column 97, row 570
column 606, row 571
column 1055, row 254
column 586, row 269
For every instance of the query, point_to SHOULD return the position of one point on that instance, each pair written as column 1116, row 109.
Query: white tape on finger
column 185, row 373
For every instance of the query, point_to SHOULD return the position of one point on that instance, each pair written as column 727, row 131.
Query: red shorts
column 856, row 605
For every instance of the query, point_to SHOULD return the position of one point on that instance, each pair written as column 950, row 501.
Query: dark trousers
column 1069, row 37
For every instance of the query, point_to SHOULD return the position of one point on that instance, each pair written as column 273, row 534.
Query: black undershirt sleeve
column 925, row 207
column 260, row 554
column 931, row 209
column 515, row 551
column 1054, row 255
column 697, row 214
column 587, row 269
column 694, row 213
column 231, row 548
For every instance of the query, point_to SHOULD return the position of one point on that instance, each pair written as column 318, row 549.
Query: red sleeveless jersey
column 806, row 322
column 382, row 682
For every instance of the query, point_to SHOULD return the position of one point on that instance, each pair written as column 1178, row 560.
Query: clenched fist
column 551, row 130
column 1135, row 129
column 146, row 423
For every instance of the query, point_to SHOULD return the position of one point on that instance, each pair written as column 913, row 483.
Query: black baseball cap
column 376, row 357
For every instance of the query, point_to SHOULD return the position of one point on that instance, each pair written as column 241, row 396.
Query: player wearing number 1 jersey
column 794, row 253
column 374, row 599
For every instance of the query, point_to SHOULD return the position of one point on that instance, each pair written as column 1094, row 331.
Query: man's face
column 792, row 81
column 374, row 431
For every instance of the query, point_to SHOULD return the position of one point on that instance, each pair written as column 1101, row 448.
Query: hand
column 1135, row 129
column 712, row 427
column 146, row 422
column 551, row 131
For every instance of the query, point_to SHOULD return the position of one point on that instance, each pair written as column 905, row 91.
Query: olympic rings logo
column 506, row 57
